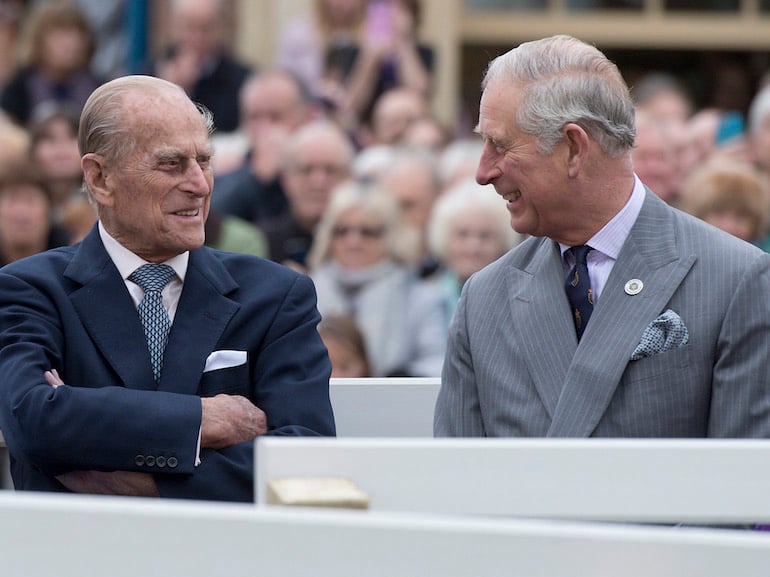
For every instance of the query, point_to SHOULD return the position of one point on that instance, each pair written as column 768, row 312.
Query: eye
column 169, row 164
column 204, row 161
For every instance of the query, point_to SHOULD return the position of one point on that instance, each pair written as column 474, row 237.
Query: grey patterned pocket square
column 666, row 332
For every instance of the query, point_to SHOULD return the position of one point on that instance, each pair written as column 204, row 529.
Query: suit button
column 160, row 462
column 150, row 461
column 139, row 460
column 172, row 462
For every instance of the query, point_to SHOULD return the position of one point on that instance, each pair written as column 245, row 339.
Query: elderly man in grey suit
column 678, row 341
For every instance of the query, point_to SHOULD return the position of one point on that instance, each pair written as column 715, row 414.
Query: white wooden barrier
column 72, row 536
column 658, row 481
column 392, row 407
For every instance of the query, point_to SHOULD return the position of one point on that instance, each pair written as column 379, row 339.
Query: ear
column 95, row 177
column 578, row 144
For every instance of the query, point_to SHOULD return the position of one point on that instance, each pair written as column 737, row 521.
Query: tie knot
column 152, row 276
column 580, row 253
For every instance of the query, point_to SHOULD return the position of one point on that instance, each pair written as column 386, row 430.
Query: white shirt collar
column 127, row 262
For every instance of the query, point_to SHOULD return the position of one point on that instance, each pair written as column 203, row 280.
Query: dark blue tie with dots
column 153, row 278
column 578, row 288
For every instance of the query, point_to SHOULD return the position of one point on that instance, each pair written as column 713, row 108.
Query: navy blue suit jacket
column 69, row 309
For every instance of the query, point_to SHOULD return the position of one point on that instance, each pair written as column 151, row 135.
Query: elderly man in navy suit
column 140, row 362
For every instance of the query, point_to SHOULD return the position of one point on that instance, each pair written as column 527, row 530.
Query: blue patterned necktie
column 152, row 278
column 578, row 287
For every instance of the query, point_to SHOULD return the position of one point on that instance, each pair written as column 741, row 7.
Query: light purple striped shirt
column 608, row 241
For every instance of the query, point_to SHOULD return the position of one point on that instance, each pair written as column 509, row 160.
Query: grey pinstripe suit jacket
column 514, row 367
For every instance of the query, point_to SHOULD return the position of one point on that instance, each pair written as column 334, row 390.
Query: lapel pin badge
column 634, row 287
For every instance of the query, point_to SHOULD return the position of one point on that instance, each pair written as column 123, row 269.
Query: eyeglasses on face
column 368, row 232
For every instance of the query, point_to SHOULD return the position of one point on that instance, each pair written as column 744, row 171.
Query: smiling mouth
column 512, row 196
column 192, row 212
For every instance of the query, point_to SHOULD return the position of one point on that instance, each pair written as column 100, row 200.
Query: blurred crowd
column 331, row 161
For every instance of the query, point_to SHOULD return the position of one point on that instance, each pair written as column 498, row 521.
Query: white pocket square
column 665, row 333
column 224, row 360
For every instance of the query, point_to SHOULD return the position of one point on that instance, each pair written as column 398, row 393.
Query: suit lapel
column 650, row 255
column 108, row 313
column 201, row 318
column 540, row 310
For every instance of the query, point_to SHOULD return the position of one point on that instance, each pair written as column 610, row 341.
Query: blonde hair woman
column 362, row 264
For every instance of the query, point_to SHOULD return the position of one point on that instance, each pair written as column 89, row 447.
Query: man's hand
column 127, row 483
column 230, row 419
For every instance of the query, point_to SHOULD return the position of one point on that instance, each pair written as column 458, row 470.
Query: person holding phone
column 390, row 56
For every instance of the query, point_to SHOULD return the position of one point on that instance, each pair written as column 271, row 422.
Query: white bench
column 392, row 407
column 73, row 536
column 658, row 481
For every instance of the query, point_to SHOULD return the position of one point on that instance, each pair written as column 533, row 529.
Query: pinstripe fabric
column 514, row 366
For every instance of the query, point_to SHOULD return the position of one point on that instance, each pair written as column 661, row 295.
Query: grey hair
column 565, row 80
column 402, row 241
column 105, row 126
column 103, row 123
column 467, row 195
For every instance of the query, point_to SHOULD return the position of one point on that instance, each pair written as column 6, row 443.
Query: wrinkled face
column 320, row 164
column 358, row 239
column 532, row 183
column 158, row 197
column 56, row 153
column 24, row 216
column 473, row 241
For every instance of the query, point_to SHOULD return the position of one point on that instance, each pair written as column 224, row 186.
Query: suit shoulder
column 242, row 266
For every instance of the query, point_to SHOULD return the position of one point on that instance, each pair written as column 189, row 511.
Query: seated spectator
column 428, row 133
column 390, row 56
column 345, row 343
column 459, row 160
column 394, row 112
column 361, row 262
column 730, row 195
column 55, row 64
column 654, row 158
column 198, row 61
column 304, row 42
column 411, row 178
column 54, row 151
column 273, row 105
column 661, row 96
column 26, row 227
column 317, row 159
column 469, row 228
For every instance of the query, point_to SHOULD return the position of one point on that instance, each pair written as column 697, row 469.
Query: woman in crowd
column 730, row 195
column 26, row 227
column 56, row 63
column 469, row 228
column 362, row 262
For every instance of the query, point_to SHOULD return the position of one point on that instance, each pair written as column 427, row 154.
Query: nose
column 487, row 170
column 198, row 181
